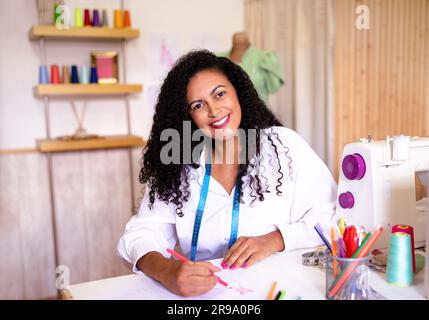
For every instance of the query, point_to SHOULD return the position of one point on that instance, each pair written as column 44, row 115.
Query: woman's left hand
column 247, row 250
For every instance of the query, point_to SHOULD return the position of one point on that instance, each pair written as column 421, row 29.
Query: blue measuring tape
column 200, row 211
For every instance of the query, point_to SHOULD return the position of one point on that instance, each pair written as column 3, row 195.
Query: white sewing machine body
column 374, row 190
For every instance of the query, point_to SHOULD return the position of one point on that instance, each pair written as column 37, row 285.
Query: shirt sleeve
column 314, row 199
column 270, row 63
column 149, row 230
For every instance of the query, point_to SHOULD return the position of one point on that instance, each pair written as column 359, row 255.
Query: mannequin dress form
column 263, row 67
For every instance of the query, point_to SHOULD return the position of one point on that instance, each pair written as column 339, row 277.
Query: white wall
column 21, row 113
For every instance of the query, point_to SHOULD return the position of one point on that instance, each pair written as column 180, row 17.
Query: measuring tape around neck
column 200, row 211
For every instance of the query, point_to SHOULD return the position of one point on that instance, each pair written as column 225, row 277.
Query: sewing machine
column 375, row 189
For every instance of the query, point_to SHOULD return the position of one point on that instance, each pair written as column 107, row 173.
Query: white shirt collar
column 214, row 185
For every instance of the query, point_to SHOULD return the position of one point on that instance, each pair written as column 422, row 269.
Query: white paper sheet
column 146, row 288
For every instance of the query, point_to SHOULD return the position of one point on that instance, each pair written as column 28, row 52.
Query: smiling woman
column 218, row 108
column 243, row 211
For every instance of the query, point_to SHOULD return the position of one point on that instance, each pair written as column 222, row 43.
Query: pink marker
column 178, row 256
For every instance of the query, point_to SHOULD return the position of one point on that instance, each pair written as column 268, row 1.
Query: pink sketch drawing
column 239, row 288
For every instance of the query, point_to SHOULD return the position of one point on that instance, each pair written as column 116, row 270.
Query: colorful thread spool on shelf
column 43, row 74
column 93, row 78
column 84, row 74
column 66, row 74
column 105, row 19
column 399, row 263
column 127, row 19
column 95, row 18
column 57, row 12
column 55, row 74
column 78, row 19
column 74, row 74
column 118, row 21
column 87, row 18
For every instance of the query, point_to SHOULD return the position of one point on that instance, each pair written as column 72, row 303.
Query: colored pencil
column 270, row 294
column 320, row 233
column 334, row 252
column 367, row 237
column 178, row 256
column 282, row 295
column 342, row 226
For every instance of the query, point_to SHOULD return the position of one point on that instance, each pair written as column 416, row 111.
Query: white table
column 307, row 282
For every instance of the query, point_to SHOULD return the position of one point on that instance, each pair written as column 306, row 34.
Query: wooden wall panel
column 381, row 74
column 93, row 203
column 27, row 265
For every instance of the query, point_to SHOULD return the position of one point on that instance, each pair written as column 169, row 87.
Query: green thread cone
column 399, row 262
column 57, row 13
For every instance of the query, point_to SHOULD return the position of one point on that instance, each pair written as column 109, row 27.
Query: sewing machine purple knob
column 346, row 200
column 354, row 166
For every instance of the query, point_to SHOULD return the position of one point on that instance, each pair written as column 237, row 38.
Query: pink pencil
column 178, row 256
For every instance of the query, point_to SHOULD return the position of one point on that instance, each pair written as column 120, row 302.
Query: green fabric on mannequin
column 263, row 68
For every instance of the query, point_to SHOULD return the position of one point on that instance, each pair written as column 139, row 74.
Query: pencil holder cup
column 347, row 278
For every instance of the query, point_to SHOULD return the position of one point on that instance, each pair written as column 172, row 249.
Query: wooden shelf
column 86, row 89
column 104, row 33
column 105, row 142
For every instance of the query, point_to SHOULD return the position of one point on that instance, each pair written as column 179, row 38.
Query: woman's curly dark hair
column 169, row 182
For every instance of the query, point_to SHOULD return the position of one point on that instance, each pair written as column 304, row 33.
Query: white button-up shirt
column 308, row 197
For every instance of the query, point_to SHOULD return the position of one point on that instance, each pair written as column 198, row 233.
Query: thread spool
column 401, row 146
column 399, row 262
column 93, row 77
column 78, row 19
column 95, row 18
column 408, row 230
column 87, row 18
column 84, row 74
column 66, row 74
column 118, row 22
column 43, row 74
column 74, row 74
column 55, row 74
column 105, row 19
column 57, row 13
column 127, row 19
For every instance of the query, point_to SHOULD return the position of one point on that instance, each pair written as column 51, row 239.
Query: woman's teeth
column 220, row 122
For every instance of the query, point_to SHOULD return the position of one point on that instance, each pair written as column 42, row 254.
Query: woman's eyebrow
column 211, row 92
column 215, row 88
column 192, row 102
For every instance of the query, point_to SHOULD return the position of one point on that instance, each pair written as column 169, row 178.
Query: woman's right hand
column 189, row 278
